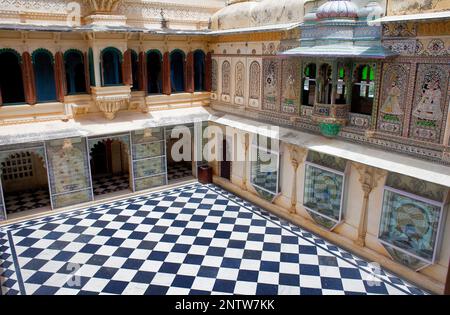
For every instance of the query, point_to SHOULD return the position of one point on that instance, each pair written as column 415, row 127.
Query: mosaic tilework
column 179, row 170
column 107, row 184
column 194, row 239
column 27, row 201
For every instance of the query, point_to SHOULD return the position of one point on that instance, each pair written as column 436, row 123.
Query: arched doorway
column 154, row 66
column 110, row 166
column 111, row 66
column 11, row 82
column 75, row 72
column 177, row 60
column 24, row 182
column 44, row 74
column 199, row 71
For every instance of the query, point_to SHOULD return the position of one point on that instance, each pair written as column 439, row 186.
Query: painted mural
column 290, row 100
column 393, row 96
column 271, row 74
column 429, row 103
column 417, row 6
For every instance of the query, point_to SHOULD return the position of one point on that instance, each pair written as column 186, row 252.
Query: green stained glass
column 307, row 71
column 364, row 73
column 372, row 75
column 341, row 73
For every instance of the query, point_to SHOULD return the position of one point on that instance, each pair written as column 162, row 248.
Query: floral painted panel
column 255, row 80
column 226, row 77
column 240, row 79
column 394, row 89
column 271, row 75
column 68, row 169
column 290, row 100
column 214, row 74
column 150, row 182
column 430, row 105
column 149, row 167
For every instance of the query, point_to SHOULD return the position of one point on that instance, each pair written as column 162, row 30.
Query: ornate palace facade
column 91, row 91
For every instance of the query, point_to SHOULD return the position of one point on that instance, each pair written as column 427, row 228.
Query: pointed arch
column 11, row 78
column 111, row 60
column 177, row 70
column 44, row 74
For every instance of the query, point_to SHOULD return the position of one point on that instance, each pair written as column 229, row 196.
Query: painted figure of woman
column 429, row 106
column 392, row 103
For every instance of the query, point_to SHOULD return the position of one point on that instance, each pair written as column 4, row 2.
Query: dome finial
column 338, row 9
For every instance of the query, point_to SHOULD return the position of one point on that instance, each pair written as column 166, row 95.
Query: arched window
column 309, row 85
column 325, row 83
column 199, row 70
column 111, row 64
column 135, row 70
column 75, row 73
column 341, row 88
column 177, row 60
column 154, row 67
column 363, row 90
column 44, row 75
column 11, row 83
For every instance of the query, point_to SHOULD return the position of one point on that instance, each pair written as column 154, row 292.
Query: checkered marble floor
column 108, row 184
column 179, row 170
column 26, row 201
column 193, row 239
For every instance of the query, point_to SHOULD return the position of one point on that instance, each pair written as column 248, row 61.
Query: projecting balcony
column 331, row 117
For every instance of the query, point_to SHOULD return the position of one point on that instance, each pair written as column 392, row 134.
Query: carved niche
column 239, row 83
column 254, row 84
column 226, row 80
column 290, row 100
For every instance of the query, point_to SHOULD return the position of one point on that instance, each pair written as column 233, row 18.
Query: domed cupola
column 338, row 9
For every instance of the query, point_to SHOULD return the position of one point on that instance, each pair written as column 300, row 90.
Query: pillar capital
column 369, row 176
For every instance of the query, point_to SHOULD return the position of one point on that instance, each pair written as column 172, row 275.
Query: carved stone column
column 28, row 79
column 246, row 143
column 369, row 178
column 60, row 77
column 297, row 156
column 190, row 72
column 208, row 72
column 166, row 74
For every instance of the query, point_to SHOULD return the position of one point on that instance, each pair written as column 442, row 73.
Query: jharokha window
column 363, row 90
column 411, row 220
column 309, row 85
column 325, row 83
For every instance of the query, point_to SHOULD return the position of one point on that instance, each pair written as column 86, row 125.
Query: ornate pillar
column 246, row 143
column 28, row 79
column 208, row 72
column 143, row 75
column 87, row 78
column 297, row 156
column 127, row 73
column 189, row 73
column 369, row 178
column 60, row 77
column 167, row 89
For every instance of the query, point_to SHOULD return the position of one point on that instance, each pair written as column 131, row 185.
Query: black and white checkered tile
column 194, row 239
column 108, row 184
column 24, row 201
column 179, row 170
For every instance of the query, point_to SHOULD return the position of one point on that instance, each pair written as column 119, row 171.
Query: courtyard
column 191, row 239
